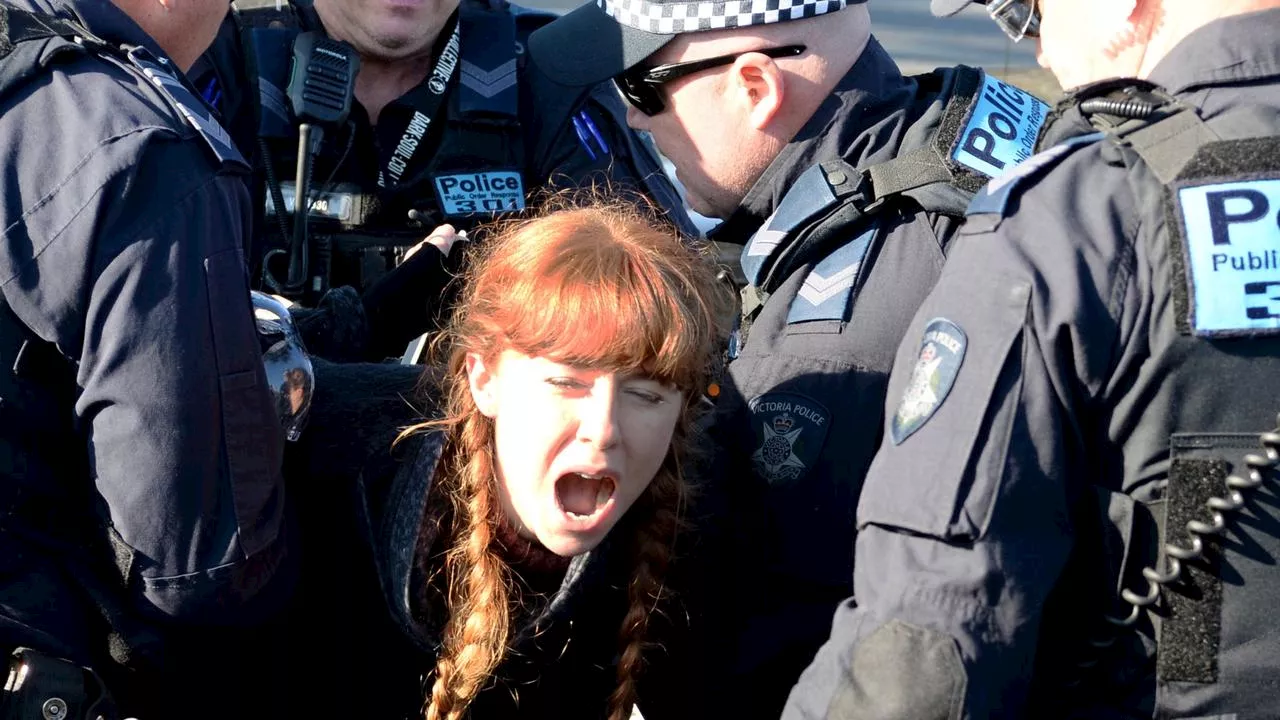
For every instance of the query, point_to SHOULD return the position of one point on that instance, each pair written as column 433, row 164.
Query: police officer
column 1073, row 514
column 141, row 501
column 450, row 124
column 845, row 181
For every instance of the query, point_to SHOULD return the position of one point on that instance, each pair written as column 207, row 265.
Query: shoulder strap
column 267, row 29
column 486, row 129
column 22, row 26
column 837, row 191
column 960, row 87
column 487, row 86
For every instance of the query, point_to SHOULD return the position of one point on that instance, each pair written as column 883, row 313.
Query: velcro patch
column 486, row 193
column 1231, row 234
column 937, row 364
column 1002, row 129
column 790, row 429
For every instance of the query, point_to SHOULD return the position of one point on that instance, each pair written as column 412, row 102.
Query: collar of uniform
column 861, row 121
column 1238, row 48
column 103, row 19
column 307, row 15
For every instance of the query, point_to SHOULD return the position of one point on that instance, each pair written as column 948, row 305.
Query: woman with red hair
column 523, row 537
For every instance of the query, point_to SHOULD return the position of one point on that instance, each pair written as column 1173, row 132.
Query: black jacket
column 799, row 420
column 142, row 508
column 1100, row 354
column 367, row 516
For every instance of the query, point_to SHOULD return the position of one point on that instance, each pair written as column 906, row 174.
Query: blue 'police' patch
column 1002, row 130
column 937, row 364
column 790, row 429
column 1232, row 236
column 487, row 193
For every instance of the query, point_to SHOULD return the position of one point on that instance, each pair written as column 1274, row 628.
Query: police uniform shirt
column 1046, row 393
column 799, row 422
column 123, row 242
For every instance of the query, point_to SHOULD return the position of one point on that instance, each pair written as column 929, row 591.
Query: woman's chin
column 567, row 542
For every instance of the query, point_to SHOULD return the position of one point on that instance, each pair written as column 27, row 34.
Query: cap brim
column 586, row 45
column 947, row 8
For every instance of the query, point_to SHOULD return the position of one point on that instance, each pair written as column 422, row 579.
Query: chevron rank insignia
column 937, row 364
column 827, row 292
column 488, row 83
column 790, row 429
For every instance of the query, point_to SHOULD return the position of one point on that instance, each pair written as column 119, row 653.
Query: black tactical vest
column 464, row 160
column 1191, row 558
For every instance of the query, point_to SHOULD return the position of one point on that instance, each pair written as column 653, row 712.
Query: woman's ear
column 484, row 390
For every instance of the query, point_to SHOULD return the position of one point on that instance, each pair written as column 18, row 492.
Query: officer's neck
column 382, row 81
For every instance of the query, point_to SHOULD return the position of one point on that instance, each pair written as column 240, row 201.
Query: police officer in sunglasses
column 1073, row 513
column 845, row 182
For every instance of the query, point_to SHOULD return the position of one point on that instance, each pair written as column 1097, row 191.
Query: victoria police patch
column 790, row 429
column 937, row 364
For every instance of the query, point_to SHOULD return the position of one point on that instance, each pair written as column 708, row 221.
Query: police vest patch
column 790, row 429
column 937, row 364
column 486, row 193
column 1232, row 237
column 1002, row 130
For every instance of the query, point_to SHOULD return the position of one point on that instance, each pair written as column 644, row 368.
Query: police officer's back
column 1073, row 514
column 141, row 506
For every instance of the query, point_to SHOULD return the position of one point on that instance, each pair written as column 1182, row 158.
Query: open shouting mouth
column 585, row 498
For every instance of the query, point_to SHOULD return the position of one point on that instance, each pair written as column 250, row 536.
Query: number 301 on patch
column 1232, row 237
column 470, row 193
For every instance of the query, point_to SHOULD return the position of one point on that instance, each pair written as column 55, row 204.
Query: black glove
column 408, row 301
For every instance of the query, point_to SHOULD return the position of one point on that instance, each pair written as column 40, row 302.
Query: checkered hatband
column 671, row 18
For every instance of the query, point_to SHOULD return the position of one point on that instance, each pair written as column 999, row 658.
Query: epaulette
column 994, row 198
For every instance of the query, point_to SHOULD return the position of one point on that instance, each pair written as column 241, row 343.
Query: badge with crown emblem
column 790, row 429
column 937, row 364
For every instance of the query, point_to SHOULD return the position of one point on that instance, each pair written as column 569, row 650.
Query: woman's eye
column 649, row 397
column 565, row 383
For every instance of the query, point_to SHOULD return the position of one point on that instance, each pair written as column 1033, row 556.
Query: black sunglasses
column 1017, row 18
column 640, row 85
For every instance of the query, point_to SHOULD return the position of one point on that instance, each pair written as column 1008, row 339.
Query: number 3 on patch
column 1231, row 231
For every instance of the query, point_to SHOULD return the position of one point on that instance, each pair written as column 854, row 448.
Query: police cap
column 607, row 37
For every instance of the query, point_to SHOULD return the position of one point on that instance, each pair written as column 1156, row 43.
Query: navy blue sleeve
column 968, row 515
column 140, row 277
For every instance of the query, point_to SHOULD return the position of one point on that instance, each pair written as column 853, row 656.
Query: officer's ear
column 484, row 389
column 758, row 83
